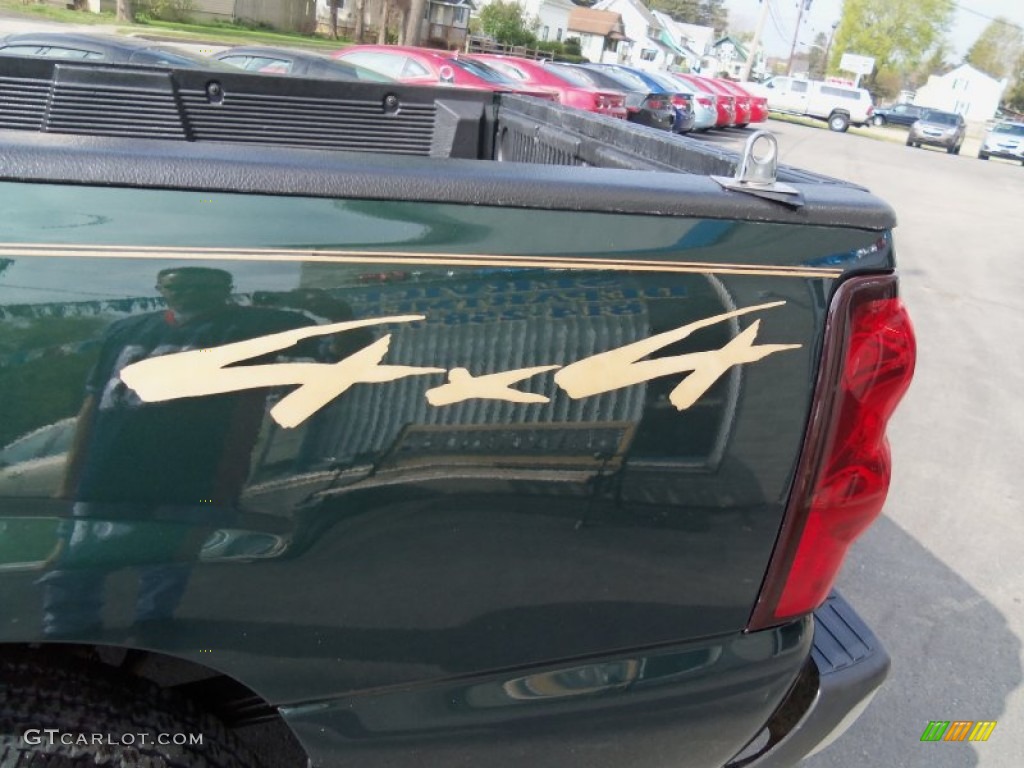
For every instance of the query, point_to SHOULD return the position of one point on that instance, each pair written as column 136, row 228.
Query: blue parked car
column 682, row 102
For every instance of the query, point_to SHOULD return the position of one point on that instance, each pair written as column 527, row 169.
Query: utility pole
column 805, row 5
column 828, row 48
column 755, row 44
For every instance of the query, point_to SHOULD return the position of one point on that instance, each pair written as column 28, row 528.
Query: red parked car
column 429, row 66
column 725, row 101
column 757, row 106
column 742, row 100
column 572, row 90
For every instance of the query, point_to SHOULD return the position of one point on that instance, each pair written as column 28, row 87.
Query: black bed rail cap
column 96, row 99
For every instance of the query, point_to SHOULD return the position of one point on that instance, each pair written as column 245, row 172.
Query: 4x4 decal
column 212, row 371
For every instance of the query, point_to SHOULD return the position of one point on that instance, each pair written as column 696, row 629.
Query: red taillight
column 843, row 476
column 654, row 103
column 680, row 101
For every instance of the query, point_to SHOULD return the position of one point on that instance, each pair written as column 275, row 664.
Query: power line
column 1000, row 20
column 775, row 21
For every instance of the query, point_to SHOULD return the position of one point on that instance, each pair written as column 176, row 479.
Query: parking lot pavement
column 892, row 134
column 939, row 577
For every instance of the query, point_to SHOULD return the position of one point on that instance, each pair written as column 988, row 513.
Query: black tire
column 838, row 122
column 956, row 149
column 951, row 150
column 81, row 699
column 909, row 142
column 983, row 156
column 878, row 121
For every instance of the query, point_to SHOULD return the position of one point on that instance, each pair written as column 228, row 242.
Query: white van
column 839, row 105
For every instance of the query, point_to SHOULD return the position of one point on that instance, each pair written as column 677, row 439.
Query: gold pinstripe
column 40, row 250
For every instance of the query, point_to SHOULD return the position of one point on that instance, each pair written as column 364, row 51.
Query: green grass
column 53, row 13
column 210, row 32
column 232, row 34
column 878, row 134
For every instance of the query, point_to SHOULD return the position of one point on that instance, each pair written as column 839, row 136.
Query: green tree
column 1013, row 97
column 816, row 57
column 997, row 48
column 898, row 34
column 938, row 63
column 507, row 22
column 685, row 11
column 713, row 13
column 706, row 13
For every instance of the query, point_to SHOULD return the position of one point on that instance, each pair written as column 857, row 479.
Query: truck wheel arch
column 64, row 689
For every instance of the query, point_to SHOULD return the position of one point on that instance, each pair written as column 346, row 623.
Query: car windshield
column 570, row 75
column 165, row 57
column 507, row 69
column 940, row 118
column 667, row 83
column 483, row 71
column 575, row 75
column 347, row 70
column 627, row 78
column 1012, row 129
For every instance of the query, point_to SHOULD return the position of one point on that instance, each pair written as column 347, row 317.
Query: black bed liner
column 381, row 135
column 193, row 105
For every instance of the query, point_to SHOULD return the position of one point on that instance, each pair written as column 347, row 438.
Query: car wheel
column 878, row 120
column 87, row 699
column 909, row 142
column 838, row 122
column 956, row 149
column 951, row 150
column 743, row 125
column 983, row 156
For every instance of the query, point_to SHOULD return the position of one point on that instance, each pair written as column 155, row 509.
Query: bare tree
column 401, row 9
column 413, row 21
column 382, row 31
column 334, row 19
column 125, row 12
column 360, row 22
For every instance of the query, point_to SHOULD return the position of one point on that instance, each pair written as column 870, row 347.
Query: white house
column 964, row 90
column 727, row 55
column 681, row 41
column 698, row 38
column 552, row 17
column 647, row 49
column 601, row 34
column 445, row 22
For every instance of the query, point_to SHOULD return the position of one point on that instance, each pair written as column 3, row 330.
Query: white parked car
column 1004, row 140
column 839, row 105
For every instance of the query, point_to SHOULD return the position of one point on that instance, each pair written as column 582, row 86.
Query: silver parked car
column 705, row 111
column 1004, row 140
column 938, row 128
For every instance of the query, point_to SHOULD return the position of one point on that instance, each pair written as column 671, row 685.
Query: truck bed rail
column 94, row 99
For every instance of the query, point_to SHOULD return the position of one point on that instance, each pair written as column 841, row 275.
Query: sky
column 970, row 21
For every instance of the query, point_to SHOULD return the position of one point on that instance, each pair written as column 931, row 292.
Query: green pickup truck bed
column 390, row 425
